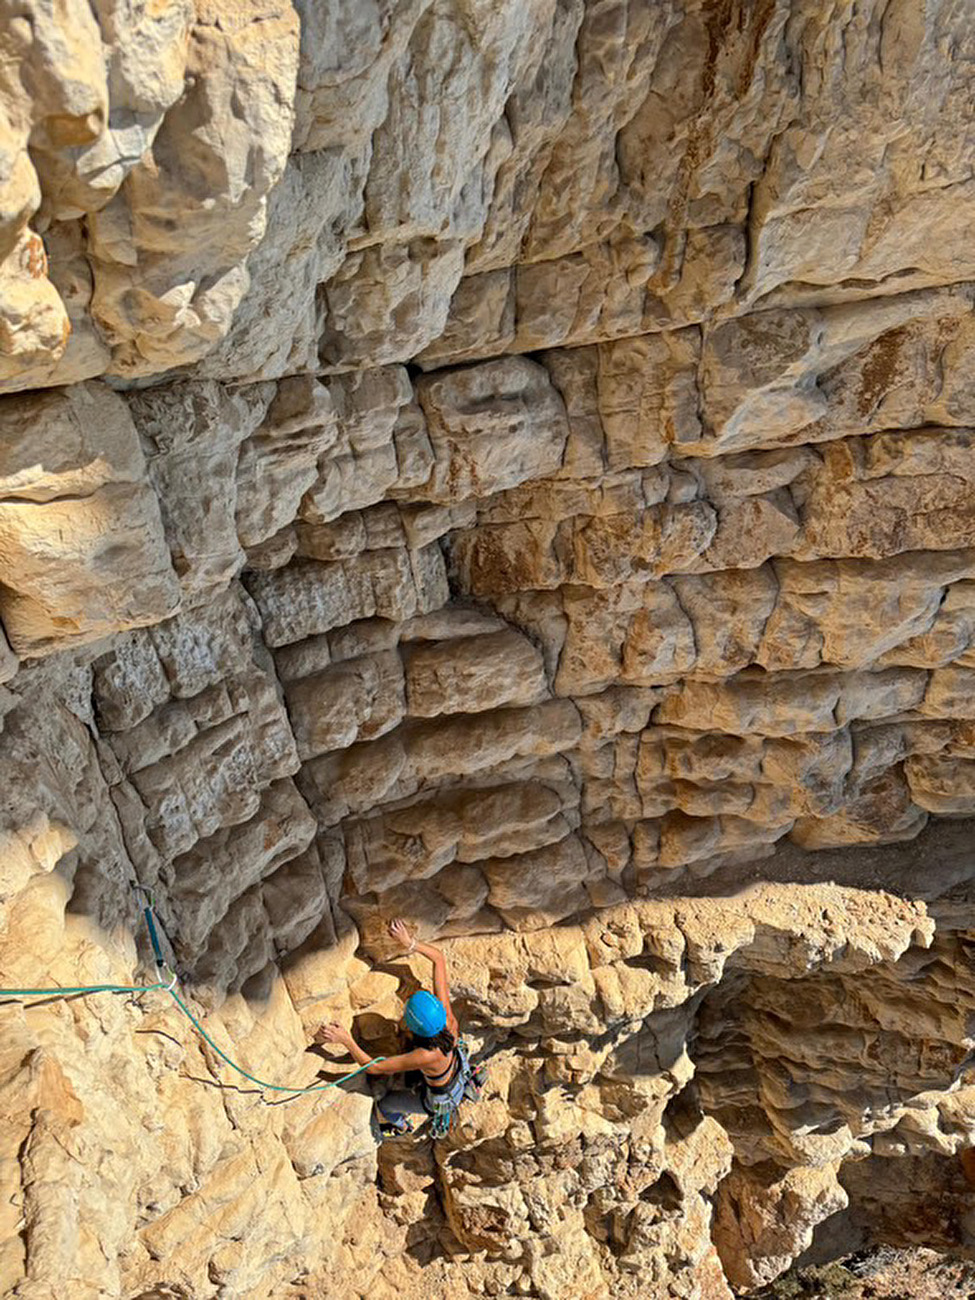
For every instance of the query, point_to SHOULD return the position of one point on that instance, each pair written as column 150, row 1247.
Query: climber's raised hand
column 333, row 1033
column 401, row 933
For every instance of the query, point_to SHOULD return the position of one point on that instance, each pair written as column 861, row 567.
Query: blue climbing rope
column 169, row 988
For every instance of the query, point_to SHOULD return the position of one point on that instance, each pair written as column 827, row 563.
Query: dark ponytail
column 442, row 1042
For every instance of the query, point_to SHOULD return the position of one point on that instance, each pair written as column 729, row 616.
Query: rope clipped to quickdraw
column 170, row 988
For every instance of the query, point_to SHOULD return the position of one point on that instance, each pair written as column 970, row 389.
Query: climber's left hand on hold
column 333, row 1033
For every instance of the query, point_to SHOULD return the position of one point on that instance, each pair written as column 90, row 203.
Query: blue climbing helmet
column 424, row 1015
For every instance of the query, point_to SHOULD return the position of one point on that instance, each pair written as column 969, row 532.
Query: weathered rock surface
column 511, row 466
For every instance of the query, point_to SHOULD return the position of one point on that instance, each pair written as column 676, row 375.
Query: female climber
column 436, row 1051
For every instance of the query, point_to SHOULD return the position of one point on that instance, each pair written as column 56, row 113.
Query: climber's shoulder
column 427, row 1056
column 419, row 1058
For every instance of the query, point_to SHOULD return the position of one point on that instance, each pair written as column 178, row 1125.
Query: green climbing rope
column 274, row 1087
column 150, row 988
column 83, row 988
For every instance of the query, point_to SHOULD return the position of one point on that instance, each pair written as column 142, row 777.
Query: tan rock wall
column 507, row 465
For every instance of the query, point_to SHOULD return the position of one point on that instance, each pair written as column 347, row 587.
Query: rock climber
column 436, row 1052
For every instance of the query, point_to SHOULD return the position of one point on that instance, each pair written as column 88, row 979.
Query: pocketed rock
column 507, row 466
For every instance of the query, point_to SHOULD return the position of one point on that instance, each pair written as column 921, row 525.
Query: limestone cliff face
column 508, row 464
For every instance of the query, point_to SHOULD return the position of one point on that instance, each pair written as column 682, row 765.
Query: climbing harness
column 170, row 988
column 467, row 1085
column 441, row 1102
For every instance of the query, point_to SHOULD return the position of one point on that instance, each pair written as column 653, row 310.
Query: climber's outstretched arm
column 400, row 932
column 415, row 1060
